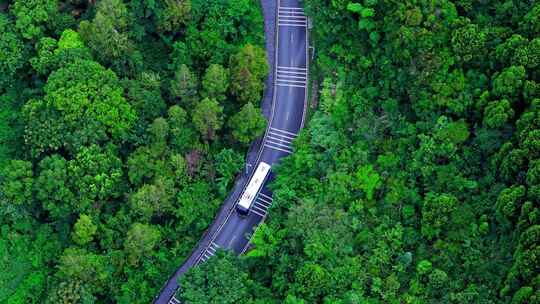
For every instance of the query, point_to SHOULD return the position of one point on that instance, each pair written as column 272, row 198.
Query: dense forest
column 122, row 127
column 417, row 179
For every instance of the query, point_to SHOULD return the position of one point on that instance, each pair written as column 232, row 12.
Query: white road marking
column 277, row 148
column 291, row 76
column 291, row 16
column 174, row 300
column 257, row 213
column 267, row 197
column 279, row 144
column 209, row 252
column 291, row 8
column 291, row 24
column 284, row 132
column 261, row 205
column 280, row 140
column 264, row 201
column 292, row 68
column 290, row 85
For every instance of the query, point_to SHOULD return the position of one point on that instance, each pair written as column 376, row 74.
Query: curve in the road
column 286, row 119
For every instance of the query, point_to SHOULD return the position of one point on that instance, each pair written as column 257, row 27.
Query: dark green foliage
column 108, row 33
column 11, row 51
column 247, row 124
column 35, row 17
column 221, row 280
column 248, row 69
column 83, row 104
column 417, row 179
column 207, row 118
column 26, row 257
column 113, row 155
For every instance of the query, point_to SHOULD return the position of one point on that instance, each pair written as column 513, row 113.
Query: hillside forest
column 122, row 127
column 417, row 179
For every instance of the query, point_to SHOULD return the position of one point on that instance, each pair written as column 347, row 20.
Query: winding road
column 290, row 79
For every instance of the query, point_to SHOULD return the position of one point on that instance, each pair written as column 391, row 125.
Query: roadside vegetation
column 122, row 127
column 418, row 178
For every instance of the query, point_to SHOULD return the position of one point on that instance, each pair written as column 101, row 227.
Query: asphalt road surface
column 286, row 120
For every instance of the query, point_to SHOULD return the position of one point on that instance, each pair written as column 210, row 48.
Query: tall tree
column 185, row 85
column 215, row 82
column 248, row 70
column 108, row 34
column 140, row 241
column 221, row 280
column 247, row 124
column 83, row 104
column 208, row 118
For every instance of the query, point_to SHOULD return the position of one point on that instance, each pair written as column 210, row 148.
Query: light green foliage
column 331, row 95
column 455, row 132
column 508, row 51
column 247, row 124
column 208, row 118
column 215, row 82
column 54, row 54
column 365, row 14
column 173, row 15
column 523, row 295
column 368, row 180
column 83, row 184
column 34, row 17
column 53, row 186
column 217, row 281
column 185, row 85
column 108, row 33
column 228, row 163
column 70, row 292
column 182, row 135
column 264, row 241
column 159, row 131
column 84, row 230
column 151, row 199
column 144, row 164
column 248, row 69
column 497, row 113
column 88, row 107
column 509, row 201
column 77, row 264
column 140, row 241
column 424, row 267
column 97, row 176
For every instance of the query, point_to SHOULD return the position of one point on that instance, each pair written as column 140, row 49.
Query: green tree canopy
column 248, row 69
column 208, row 118
column 247, row 124
column 83, row 104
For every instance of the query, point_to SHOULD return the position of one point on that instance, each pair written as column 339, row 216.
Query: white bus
column 255, row 184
